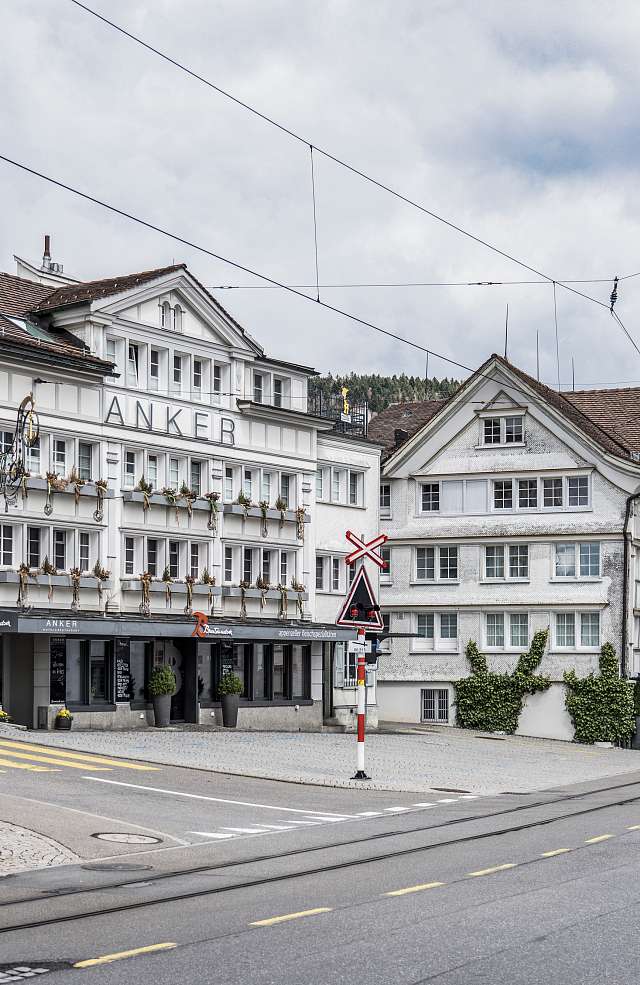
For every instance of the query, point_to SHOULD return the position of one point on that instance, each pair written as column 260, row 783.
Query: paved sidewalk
column 447, row 760
column 22, row 849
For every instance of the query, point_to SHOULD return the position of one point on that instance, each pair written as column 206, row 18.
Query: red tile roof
column 31, row 339
column 92, row 290
column 408, row 417
column 610, row 417
column 18, row 295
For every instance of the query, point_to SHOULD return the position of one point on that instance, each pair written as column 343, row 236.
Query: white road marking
column 209, row 834
column 468, row 796
column 369, row 814
column 447, row 800
column 279, row 827
column 397, row 810
column 425, row 804
column 218, row 800
column 248, row 831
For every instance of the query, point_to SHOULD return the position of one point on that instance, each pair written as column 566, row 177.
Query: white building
column 510, row 508
column 188, row 457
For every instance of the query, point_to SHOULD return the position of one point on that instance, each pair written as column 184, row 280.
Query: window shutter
column 451, row 496
column 475, row 499
column 338, row 664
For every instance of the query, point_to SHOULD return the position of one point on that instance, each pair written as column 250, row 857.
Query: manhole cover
column 124, row 838
column 116, row 867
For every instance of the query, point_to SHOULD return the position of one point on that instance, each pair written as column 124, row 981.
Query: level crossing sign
column 365, row 549
column 360, row 608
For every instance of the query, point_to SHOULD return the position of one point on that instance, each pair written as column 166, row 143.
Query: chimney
column 47, row 263
column 400, row 436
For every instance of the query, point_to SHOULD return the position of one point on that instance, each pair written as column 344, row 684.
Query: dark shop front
column 99, row 669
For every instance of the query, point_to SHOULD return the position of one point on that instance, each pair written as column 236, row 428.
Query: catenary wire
column 247, row 270
column 431, row 283
column 236, row 265
column 332, row 157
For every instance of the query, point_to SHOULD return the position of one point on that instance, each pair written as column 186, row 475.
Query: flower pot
column 161, row 710
column 230, row 704
column 64, row 723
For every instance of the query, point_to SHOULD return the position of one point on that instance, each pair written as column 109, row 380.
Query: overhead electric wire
column 236, row 265
column 404, row 284
column 327, row 154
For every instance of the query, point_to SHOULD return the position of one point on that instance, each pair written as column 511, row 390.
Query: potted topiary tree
column 230, row 688
column 162, row 684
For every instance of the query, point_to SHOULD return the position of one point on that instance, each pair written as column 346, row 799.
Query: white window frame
column 422, row 495
column 8, row 544
column 503, row 441
column 438, row 643
column 438, row 560
column 385, row 499
column 575, row 548
column 440, row 701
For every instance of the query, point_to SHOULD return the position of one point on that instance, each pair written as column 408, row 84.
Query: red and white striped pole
column 360, row 773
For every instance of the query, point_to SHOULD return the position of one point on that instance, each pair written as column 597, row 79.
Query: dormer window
column 165, row 314
column 508, row 430
column 177, row 318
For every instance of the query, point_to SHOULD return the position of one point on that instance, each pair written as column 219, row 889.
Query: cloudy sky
column 516, row 121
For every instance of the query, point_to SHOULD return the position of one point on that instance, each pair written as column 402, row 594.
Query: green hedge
column 493, row 702
column 601, row 706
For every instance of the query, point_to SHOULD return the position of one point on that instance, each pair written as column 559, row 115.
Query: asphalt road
column 511, row 889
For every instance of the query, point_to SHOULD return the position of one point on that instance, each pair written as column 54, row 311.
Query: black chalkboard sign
column 57, row 670
column 123, row 670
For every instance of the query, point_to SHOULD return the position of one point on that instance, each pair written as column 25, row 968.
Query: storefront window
column 279, row 676
column 140, row 654
column 205, row 672
column 300, row 671
column 261, row 664
column 89, row 672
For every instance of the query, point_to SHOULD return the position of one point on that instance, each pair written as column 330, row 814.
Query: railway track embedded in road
column 164, row 877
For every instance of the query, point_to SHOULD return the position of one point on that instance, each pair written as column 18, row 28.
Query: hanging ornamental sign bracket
column 13, row 468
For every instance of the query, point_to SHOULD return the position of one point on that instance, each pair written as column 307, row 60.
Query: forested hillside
column 381, row 391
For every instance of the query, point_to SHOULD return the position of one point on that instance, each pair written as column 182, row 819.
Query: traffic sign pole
column 362, row 696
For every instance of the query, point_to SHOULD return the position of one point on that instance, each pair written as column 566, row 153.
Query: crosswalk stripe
column 247, row 831
column 26, row 766
column 53, row 760
column 210, row 834
column 81, row 756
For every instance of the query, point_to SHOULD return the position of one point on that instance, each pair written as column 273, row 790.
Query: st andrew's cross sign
column 360, row 609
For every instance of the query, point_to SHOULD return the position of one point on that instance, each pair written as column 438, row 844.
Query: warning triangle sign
column 360, row 608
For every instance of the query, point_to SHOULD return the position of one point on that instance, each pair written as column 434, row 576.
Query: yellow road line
column 54, row 761
column 495, row 868
column 556, row 851
column 119, row 955
column 290, row 916
column 82, row 756
column 26, row 766
column 634, row 827
column 414, row 889
column 592, row 841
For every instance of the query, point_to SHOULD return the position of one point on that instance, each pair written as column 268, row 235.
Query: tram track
column 213, row 870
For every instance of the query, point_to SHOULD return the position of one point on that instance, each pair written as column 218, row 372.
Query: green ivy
column 493, row 702
column 601, row 706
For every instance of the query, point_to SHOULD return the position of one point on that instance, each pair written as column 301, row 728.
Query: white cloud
column 516, row 121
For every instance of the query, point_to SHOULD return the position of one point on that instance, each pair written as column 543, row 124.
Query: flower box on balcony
column 177, row 587
column 255, row 511
column 231, row 591
column 60, row 580
column 158, row 499
column 35, row 483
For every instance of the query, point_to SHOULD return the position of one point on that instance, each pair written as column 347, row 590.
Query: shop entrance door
column 177, row 700
column 327, row 681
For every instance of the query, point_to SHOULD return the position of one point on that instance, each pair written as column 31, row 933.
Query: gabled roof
column 408, row 417
column 615, row 411
column 18, row 295
column 93, row 290
column 613, row 422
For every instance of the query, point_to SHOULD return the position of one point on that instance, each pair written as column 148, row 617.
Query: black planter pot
column 230, row 704
column 162, row 710
column 64, row 724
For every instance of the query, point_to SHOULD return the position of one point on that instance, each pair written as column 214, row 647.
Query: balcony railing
column 331, row 407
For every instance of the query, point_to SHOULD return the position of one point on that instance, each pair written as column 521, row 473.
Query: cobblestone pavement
column 447, row 759
column 22, row 849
